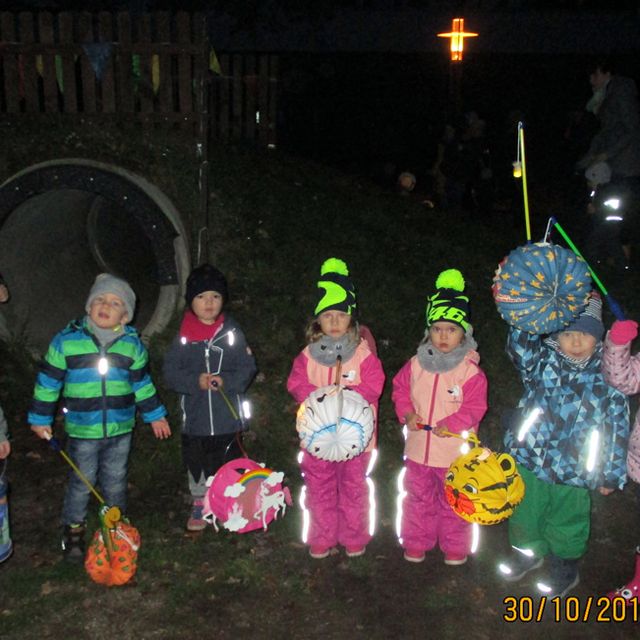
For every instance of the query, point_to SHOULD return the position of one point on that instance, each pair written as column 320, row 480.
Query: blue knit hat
column 590, row 320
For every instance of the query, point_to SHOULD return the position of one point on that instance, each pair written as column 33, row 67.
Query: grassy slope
column 274, row 220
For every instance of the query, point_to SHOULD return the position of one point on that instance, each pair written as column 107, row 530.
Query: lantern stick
column 613, row 304
column 525, row 194
column 55, row 445
column 236, row 417
column 469, row 437
column 338, row 369
column 225, row 397
column 340, row 394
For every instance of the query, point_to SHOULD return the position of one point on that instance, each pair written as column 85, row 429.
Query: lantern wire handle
column 613, row 304
column 547, row 231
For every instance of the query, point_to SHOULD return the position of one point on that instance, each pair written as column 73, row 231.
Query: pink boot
column 630, row 590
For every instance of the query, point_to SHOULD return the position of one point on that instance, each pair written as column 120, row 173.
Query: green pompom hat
column 448, row 303
column 338, row 292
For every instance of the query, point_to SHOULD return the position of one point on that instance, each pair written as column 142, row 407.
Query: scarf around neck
column 552, row 342
column 327, row 349
column 104, row 336
column 435, row 361
column 194, row 330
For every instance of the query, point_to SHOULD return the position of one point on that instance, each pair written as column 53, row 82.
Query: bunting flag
column 155, row 72
column 214, row 63
column 98, row 54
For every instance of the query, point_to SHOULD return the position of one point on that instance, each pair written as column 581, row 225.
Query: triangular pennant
column 98, row 54
column 214, row 63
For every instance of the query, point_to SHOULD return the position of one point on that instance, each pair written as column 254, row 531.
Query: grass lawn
column 274, row 220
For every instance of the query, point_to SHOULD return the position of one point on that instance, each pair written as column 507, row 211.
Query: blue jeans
column 105, row 461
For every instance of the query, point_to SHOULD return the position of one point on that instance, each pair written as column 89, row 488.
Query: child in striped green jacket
column 100, row 366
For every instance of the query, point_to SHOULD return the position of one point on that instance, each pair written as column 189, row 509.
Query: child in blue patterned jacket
column 568, row 435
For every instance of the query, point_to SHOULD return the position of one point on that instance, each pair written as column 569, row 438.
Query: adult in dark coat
column 617, row 142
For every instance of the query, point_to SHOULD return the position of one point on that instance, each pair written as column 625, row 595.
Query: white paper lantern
column 335, row 424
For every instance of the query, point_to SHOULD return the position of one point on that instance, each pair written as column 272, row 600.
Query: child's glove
column 623, row 331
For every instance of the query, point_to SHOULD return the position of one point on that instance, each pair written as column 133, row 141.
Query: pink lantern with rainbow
column 244, row 496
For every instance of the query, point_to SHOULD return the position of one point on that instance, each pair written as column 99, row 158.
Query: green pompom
column 334, row 265
column 450, row 279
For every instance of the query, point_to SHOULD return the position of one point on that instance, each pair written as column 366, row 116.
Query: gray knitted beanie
column 106, row 283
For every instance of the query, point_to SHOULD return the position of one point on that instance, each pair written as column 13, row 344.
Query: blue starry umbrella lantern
column 541, row 288
column 335, row 424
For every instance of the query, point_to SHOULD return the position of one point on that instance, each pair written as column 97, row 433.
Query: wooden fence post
column 87, row 74
column 125, row 99
column 69, row 86
column 10, row 65
column 27, row 64
column 84, row 64
column 107, row 86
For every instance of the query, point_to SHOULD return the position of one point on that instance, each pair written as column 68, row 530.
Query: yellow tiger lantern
column 482, row 486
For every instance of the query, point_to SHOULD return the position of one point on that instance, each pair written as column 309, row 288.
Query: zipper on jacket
column 431, row 408
column 208, row 344
column 102, row 353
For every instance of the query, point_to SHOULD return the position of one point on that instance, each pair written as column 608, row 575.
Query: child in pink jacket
column 337, row 494
column 622, row 371
column 440, row 389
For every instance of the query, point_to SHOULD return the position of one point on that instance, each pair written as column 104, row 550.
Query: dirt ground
column 226, row 585
column 229, row 586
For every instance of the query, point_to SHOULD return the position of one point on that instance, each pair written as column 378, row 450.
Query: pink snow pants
column 337, row 499
column 427, row 518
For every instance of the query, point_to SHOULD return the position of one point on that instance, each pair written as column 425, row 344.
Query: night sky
column 364, row 83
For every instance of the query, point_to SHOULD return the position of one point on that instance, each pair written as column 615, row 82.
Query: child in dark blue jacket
column 208, row 363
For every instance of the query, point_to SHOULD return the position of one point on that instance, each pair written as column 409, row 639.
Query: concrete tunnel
column 62, row 222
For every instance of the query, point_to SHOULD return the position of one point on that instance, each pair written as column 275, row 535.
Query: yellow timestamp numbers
column 570, row 609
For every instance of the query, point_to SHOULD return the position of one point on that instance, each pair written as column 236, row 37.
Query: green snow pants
column 552, row 518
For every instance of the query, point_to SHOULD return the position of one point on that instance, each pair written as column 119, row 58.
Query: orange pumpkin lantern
column 115, row 565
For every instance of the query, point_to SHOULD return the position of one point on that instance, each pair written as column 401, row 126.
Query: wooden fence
column 152, row 68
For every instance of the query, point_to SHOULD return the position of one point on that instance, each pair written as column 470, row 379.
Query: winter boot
column 73, row 543
column 631, row 590
column 563, row 576
column 518, row 564
column 196, row 522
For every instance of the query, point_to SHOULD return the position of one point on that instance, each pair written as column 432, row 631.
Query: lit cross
column 457, row 35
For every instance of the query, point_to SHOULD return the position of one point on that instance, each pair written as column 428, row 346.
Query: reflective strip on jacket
column 205, row 413
column 562, row 406
column 99, row 399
